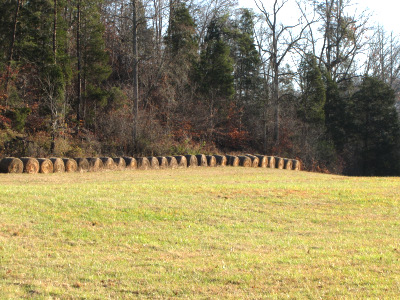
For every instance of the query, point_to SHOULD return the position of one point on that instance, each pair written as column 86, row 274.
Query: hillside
column 199, row 233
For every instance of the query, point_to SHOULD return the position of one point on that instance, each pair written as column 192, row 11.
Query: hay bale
column 58, row 165
column 201, row 160
column 162, row 162
column 232, row 160
column 11, row 165
column 254, row 160
column 31, row 165
column 95, row 164
column 172, row 162
column 296, row 165
column 130, row 162
column 83, row 164
column 181, row 160
column 154, row 164
column 245, row 161
column 45, row 165
column 287, row 164
column 108, row 163
column 191, row 161
column 70, row 165
column 262, row 161
column 119, row 163
column 211, row 161
column 221, row 160
column 143, row 163
column 279, row 162
column 271, row 162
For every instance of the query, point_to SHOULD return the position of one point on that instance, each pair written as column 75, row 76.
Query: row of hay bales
column 53, row 165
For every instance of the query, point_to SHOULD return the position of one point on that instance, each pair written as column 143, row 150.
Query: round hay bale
column 11, row 165
column 120, row 163
column 83, row 164
column 58, row 165
column 271, row 162
column 221, row 160
column 201, row 160
column 262, row 161
column 143, row 163
column 154, row 164
column 191, row 161
column 279, row 162
column 162, row 162
column 130, row 162
column 254, row 160
column 70, row 165
column 95, row 164
column 211, row 161
column 287, row 164
column 181, row 160
column 232, row 160
column 296, row 165
column 45, row 165
column 172, row 162
column 31, row 165
column 245, row 161
column 108, row 163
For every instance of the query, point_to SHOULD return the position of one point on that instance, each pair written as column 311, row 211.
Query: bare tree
column 206, row 10
column 383, row 58
column 343, row 37
column 282, row 41
column 53, row 98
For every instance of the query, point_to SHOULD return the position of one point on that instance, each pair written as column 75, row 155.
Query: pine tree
column 214, row 75
column 313, row 94
column 377, row 128
column 182, row 51
column 94, row 61
column 216, row 64
column 337, row 114
column 181, row 39
column 247, row 59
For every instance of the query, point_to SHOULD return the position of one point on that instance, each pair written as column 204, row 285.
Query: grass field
column 239, row 233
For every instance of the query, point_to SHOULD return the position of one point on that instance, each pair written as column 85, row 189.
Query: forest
column 156, row 77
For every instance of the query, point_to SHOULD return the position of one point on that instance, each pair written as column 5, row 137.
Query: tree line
column 156, row 77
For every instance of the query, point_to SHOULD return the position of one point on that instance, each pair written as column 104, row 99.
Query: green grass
column 199, row 233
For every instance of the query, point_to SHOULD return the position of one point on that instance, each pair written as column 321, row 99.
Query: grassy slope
column 208, row 232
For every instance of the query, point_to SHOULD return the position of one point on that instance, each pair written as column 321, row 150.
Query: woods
column 100, row 78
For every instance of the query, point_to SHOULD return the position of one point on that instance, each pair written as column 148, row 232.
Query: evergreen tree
column 247, row 59
column 216, row 65
column 182, row 49
column 181, row 39
column 337, row 114
column 313, row 94
column 214, row 75
column 94, row 61
column 377, row 128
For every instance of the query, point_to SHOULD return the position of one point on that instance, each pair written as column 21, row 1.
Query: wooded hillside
column 89, row 78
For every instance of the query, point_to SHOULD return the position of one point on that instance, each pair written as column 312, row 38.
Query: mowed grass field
column 219, row 233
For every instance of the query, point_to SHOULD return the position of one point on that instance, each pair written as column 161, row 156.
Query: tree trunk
column 55, row 32
column 11, row 51
column 78, row 54
column 135, row 75
column 276, row 104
